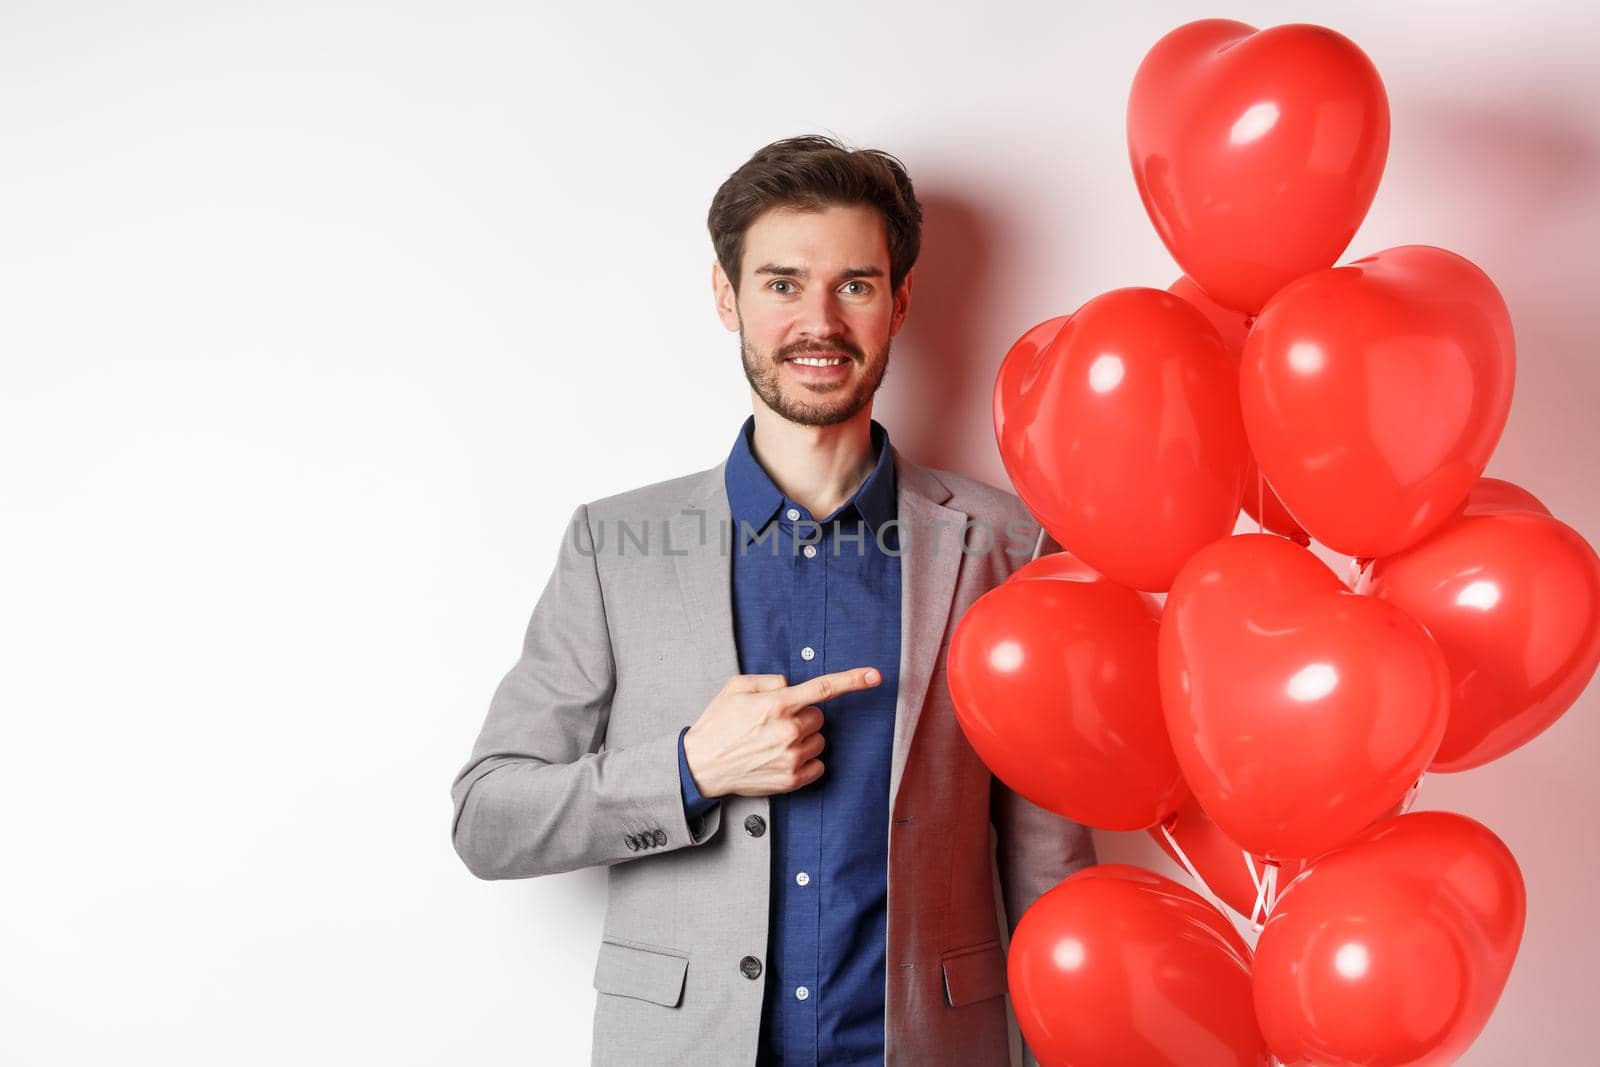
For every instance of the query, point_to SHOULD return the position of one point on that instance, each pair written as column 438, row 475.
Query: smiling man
column 742, row 711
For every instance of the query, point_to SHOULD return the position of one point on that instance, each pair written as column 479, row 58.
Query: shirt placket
column 808, row 637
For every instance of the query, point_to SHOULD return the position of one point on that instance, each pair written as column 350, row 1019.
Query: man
column 732, row 691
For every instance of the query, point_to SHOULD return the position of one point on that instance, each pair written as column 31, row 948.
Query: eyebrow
column 796, row 272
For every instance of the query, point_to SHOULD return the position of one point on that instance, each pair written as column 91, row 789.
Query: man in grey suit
column 732, row 691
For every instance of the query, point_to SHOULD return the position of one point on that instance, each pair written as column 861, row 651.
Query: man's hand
column 761, row 736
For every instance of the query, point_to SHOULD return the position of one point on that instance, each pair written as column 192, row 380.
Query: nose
column 819, row 318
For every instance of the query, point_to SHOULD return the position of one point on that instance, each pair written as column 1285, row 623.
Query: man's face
column 815, row 286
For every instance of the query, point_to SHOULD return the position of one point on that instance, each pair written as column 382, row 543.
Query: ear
column 902, row 303
column 727, row 300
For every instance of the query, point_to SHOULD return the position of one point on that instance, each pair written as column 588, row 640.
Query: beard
column 804, row 404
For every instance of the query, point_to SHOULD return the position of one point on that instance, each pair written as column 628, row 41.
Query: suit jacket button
column 633, row 843
column 660, row 837
column 755, row 825
column 750, row 967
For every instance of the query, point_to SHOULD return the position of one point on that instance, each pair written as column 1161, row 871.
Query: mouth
column 818, row 359
column 815, row 368
column 812, row 360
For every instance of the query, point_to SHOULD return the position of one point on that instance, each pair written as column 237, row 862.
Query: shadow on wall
column 1523, row 179
column 942, row 375
column 1511, row 170
column 1517, row 182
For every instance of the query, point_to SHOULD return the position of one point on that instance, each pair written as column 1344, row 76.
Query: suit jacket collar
column 755, row 499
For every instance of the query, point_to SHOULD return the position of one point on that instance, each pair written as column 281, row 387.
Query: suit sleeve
column 541, row 793
column 1034, row 849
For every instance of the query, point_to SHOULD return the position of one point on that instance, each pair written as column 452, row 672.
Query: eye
column 773, row 285
column 862, row 288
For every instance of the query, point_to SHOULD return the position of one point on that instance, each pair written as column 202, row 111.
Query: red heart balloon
column 1256, row 153
column 1260, row 502
column 1493, row 494
column 1373, row 394
column 1513, row 599
column 1488, row 496
column 1299, row 711
column 1394, row 949
column 1119, row 967
column 1021, row 362
column 1121, row 433
column 1053, row 677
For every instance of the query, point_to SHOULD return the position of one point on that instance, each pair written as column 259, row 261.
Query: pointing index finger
column 826, row 686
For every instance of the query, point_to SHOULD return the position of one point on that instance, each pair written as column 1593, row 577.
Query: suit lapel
column 705, row 574
column 929, row 562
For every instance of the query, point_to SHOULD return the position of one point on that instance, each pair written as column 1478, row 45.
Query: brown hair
column 810, row 173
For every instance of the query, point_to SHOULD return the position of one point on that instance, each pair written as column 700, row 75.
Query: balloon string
column 1411, row 794
column 1182, row 857
column 1261, row 500
column 1266, row 889
column 1200, row 883
column 1260, row 882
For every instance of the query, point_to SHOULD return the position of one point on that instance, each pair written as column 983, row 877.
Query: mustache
column 810, row 348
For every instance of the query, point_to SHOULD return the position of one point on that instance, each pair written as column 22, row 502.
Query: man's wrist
column 695, row 804
column 696, row 767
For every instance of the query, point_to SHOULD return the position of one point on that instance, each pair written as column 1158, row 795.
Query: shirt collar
column 754, row 499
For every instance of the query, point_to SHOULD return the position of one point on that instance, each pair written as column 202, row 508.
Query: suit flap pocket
column 655, row 975
column 974, row 973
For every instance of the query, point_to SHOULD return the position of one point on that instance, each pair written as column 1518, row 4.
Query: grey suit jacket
column 576, row 766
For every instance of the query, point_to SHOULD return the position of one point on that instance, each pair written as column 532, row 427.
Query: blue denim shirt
column 801, row 613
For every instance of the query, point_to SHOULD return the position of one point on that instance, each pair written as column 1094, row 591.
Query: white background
column 318, row 320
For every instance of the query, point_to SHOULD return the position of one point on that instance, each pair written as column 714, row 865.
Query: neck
column 818, row 467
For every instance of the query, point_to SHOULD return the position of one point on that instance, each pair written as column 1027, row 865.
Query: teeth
column 814, row 361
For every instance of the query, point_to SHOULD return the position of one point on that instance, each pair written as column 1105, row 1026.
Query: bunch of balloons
column 1269, row 722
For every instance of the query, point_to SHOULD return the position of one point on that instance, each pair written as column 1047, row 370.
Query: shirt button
column 792, row 514
column 802, row 878
column 810, row 551
column 807, row 652
column 802, row 993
